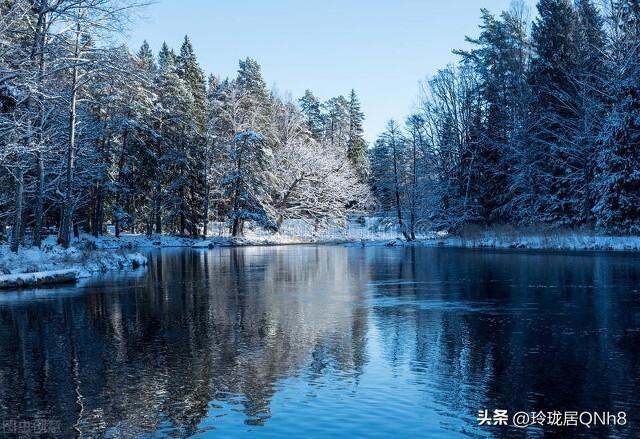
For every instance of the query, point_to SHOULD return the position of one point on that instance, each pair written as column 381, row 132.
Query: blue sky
column 382, row 49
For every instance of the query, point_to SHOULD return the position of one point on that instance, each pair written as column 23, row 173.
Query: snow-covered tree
column 248, row 182
column 617, row 181
column 499, row 59
column 389, row 166
column 313, row 181
column 190, row 72
column 173, row 154
column 337, row 122
column 311, row 108
column 356, row 145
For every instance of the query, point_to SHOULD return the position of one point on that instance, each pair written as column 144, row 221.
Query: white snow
column 369, row 232
column 84, row 257
column 131, row 241
column 561, row 241
column 38, row 278
column 567, row 241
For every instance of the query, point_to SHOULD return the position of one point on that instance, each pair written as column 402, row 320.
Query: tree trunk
column 414, row 190
column 131, row 212
column 119, row 204
column 37, row 53
column 149, row 230
column 235, row 229
column 205, row 226
column 16, row 230
column 183, row 222
column 37, row 235
column 397, row 195
column 156, row 212
column 65, row 229
column 97, row 212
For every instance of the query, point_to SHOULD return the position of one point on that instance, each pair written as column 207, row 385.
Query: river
column 326, row 341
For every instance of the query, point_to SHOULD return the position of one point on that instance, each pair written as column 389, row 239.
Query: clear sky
column 381, row 48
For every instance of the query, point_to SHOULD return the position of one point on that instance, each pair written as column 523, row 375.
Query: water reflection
column 328, row 341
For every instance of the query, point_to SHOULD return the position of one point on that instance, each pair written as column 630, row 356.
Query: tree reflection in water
column 328, row 339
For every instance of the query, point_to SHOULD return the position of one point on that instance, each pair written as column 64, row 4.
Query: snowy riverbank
column 549, row 242
column 52, row 263
column 130, row 241
column 484, row 239
column 563, row 241
column 32, row 266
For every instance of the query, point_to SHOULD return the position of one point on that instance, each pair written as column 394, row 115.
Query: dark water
column 326, row 342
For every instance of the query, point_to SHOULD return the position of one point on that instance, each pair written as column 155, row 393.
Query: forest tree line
column 92, row 133
column 537, row 125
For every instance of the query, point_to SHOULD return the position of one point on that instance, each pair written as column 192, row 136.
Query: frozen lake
column 326, row 341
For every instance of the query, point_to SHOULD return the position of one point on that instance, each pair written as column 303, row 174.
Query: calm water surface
column 327, row 342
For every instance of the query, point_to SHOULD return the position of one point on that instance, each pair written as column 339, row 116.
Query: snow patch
column 39, row 278
column 84, row 258
column 573, row 242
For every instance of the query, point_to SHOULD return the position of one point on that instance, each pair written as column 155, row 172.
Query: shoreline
column 32, row 267
column 541, row 243
column 485, row 240
column 52, row 264
column 550, row 242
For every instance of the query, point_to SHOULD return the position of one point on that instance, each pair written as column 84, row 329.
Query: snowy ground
column 14, row 281
column 293, row 232
column 370, row 233
column 131, row 241
column 564, row 241
column 82, row 257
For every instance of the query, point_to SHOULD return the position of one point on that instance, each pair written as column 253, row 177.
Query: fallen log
column 26, row 280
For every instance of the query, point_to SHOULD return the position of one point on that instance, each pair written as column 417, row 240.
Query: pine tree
column 311, row 110
column 591, row 78
column 337, row 122
column 145, row 112
column 499, row 60
column 257, row 105
column 617, row 185
column 212, row 149
column 190, row 72
column 356, row 145
column 146, row 61
column 553, row 115
column 167, row 58
column 174, row 128
column 248, row 182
